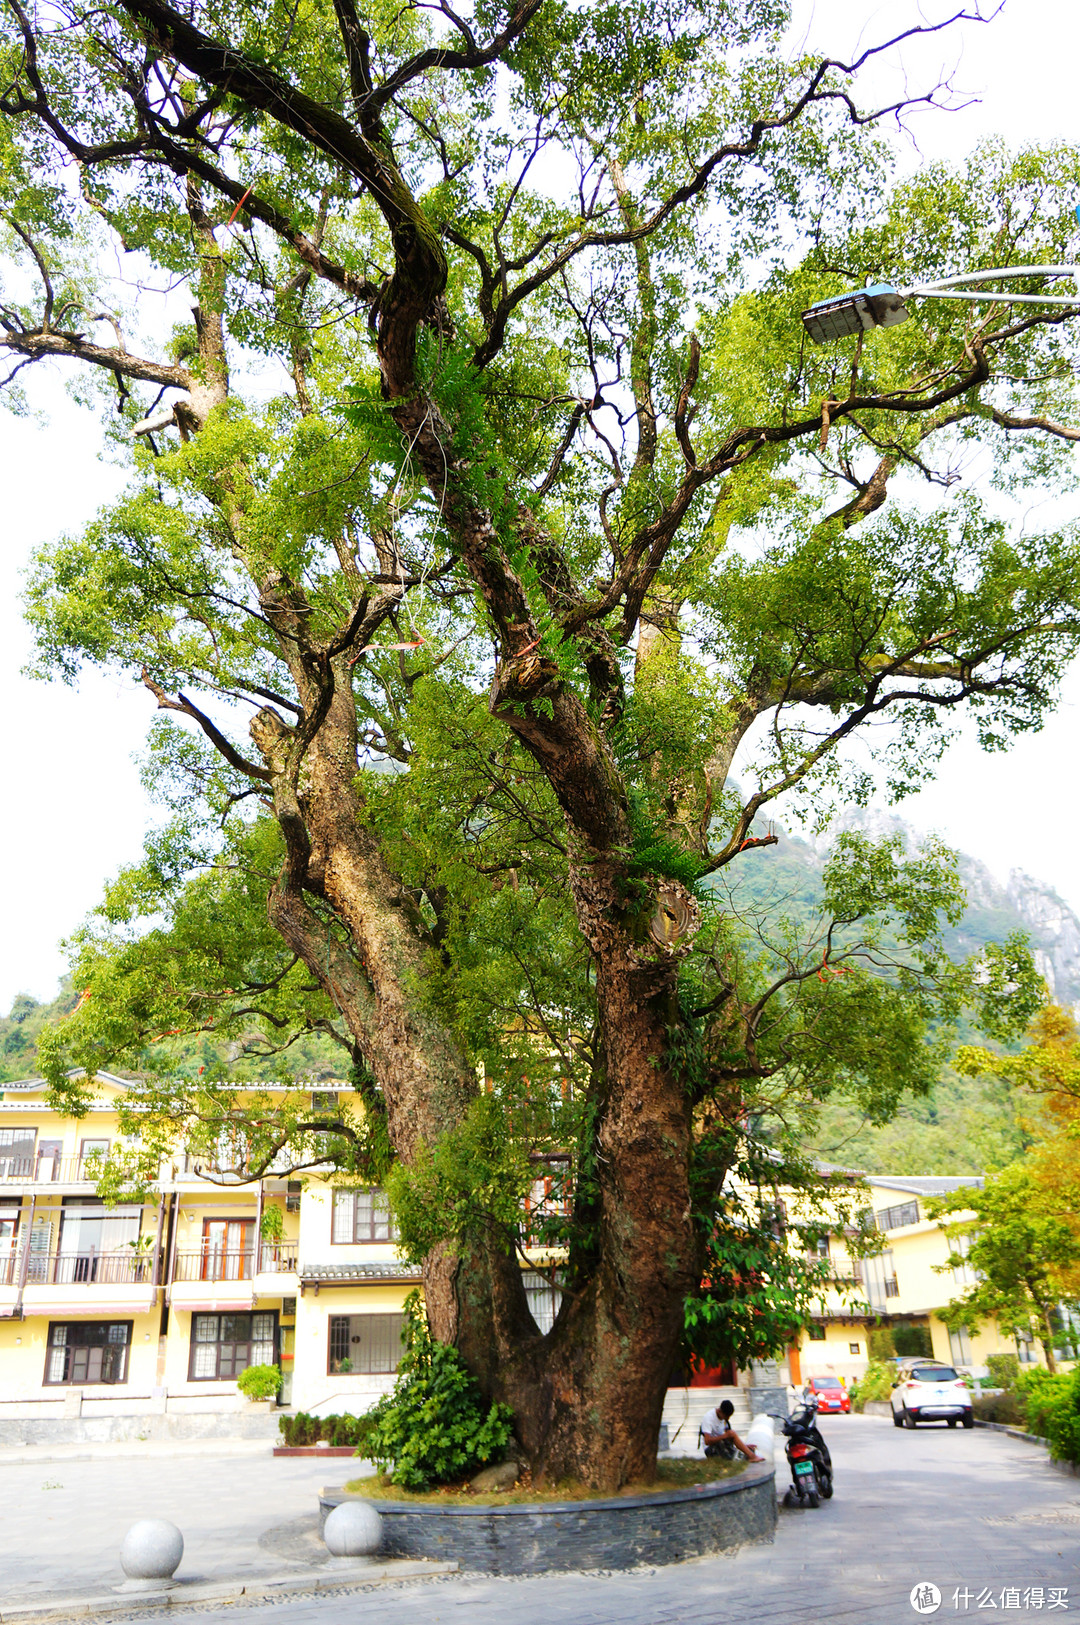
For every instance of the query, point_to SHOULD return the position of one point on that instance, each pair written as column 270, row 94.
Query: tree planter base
column 314, row 1450
column 623, row 1533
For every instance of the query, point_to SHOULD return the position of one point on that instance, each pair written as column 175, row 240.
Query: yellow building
column 140, row 1317
column 114, row 1318
column 901, row 1287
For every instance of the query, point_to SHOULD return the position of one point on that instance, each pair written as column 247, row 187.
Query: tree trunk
column 1047, row 1337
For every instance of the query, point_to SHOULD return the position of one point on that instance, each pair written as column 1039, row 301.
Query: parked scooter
column 808, row 1457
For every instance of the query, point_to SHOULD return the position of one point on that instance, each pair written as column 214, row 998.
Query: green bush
column 1053, row 1410
column 303, row 1429
column 1008, row 1408
column 260, row 1381
column 876, row 1383
column 882, row 1346
column 434, row 1427
column 1004, row 1371
column 913, row 1342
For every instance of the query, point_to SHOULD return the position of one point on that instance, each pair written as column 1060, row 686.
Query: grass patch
column 680, row 1474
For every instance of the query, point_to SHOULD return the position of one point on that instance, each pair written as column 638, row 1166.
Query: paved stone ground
column 62, row 1521
column 977, row 1511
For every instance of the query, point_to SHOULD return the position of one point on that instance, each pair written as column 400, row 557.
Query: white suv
column 927, row 1392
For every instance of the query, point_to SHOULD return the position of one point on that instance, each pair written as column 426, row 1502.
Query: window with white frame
column 224, row 1345
column 879, row 1279
column 963, row 1275
column 960, row 1346
column 368, row 1344
column 17, row 1151
column 544, row 1298
column 362, row 1215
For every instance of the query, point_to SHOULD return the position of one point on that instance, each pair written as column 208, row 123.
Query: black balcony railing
column 239, row 1264
column 89, row 1268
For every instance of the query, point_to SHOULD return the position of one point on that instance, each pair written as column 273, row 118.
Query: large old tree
column 486, row 506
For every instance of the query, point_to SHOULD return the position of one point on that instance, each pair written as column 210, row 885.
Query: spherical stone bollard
column 150, row 1555
column 353, row 1529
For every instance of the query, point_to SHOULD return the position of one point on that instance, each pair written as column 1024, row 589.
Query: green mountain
column 965, row 1125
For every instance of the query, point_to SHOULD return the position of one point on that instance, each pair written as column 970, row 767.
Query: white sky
column 73, row 810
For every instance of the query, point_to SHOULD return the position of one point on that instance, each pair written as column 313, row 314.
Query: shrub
column 1004, row 1371
column 913, row 1342
column 303, row 1429
column 434, row 1427
column 882, row 1346
column 1007, row 1408
column 876, row 1383
column 1053, row 1410
column 260, row 1381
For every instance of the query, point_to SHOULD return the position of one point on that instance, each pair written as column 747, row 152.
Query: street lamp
column 881, row 305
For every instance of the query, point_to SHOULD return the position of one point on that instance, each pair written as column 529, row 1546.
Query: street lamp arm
column 922, row 288
column 981, row 298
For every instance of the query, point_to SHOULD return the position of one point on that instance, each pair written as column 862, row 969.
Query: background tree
column 555, row 514
column 1025, row 1251
column 1032, row 1226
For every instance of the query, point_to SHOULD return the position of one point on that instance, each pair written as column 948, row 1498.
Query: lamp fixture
column 881, row 305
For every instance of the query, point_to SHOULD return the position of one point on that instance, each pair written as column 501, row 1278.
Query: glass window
column 82, row 1352
column 224, row 1345
column 960, row 1346
column 548, row 1203
column 364, row 1343
column 963, row 1275
column 826, row 1382
column 17, row 1152
column 853, row 1348
column 815, row 1333
column 933, row 1373
column 362, row 1215
column 544, row 1299
column 879, row 1278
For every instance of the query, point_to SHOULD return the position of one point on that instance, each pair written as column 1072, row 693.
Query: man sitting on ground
column 720, row 1437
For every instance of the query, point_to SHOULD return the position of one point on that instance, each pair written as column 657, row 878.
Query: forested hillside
column 966, row 1124
column 254, row 1057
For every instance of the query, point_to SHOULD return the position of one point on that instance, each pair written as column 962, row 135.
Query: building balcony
column 48, row 1170
column 272, row 1258
column 90, row 1268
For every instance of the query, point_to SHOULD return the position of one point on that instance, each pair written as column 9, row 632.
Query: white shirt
column 715, row 1424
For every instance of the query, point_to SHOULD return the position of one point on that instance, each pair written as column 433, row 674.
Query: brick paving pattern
column 974, row 1513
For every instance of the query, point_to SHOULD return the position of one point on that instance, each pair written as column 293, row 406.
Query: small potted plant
column 260, row 1383
column 271, row 1233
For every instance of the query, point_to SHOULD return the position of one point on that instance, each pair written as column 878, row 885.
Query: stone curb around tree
column 44, row 1610
column 550, row 1537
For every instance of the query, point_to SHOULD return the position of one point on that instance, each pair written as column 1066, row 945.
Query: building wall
column 314, row 1387
column 330, row 1283
column 834, row 1357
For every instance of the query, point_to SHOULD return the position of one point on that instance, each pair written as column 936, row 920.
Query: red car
column 830, row 1393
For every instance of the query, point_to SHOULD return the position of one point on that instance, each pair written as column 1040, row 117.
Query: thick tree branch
column 209, row 728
